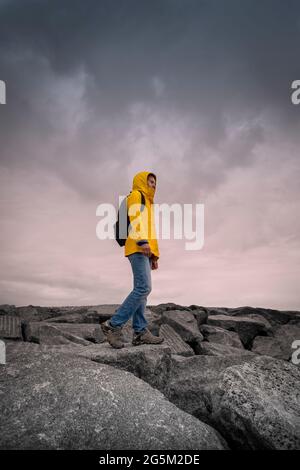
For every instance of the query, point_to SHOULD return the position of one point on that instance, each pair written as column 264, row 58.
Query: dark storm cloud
column 215, row 57
column 210, row 52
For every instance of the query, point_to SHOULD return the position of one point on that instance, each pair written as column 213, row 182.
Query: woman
column 141, row 248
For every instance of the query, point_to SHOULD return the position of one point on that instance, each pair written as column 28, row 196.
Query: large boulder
column 217, row 349
column 257, row 404
column 160, row 308
column 174, row 341
column 279, row 346
column 184, row 323
column 149, row 362
column 201, row 316
column 37, row 313
column 247, row 328
column 274, row 317
column 193, row 381
column 7, row 309
column 254, row 402
column 10, row 327
column 216, row 310
column 269, row 346
column 90, row 315
column 215, row 334
column 55, row 401
column 50, row 334
column 87, row 331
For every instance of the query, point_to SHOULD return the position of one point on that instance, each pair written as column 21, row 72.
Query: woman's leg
column 138, row 296
column 139, row 322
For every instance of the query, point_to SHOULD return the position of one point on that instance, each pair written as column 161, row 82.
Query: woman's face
column 151, row 182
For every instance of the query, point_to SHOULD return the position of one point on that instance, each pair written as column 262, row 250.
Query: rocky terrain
column 224, row 378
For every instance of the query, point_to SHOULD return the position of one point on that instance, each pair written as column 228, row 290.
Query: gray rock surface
column 253, row 401
column 86, row 331
column 201, row 316
column 217, row 349
column 279, row 346
column 193, row 381
column 257, row 404
column 247, row 328
column 10, row 327
column 215, row 334
column 54, row 401
column 184, row 323
column 174, row 341
column 215, row 364
column 274, row 317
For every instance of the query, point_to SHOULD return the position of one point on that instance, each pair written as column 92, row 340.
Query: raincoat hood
column 140, row 183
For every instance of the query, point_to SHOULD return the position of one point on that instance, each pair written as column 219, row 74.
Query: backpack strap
column 143, row 202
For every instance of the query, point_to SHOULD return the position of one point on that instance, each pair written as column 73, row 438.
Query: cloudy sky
column 197, row 91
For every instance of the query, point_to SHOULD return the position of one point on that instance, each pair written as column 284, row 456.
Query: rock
column 216, row 349
column 257, row 404
column 201, row 316
column 193, row 381
column 97, row 314
column 280, row 346
column 36, row 313
column 31, row 313
column 87, row 331
column 7, row 309
column 252, row 401
column 86, row 317
column 217, row 311
column 247, row 328
column 50, row 401
column 269, row 346
column 148, row 362
column 10, row 327
column 274, row 317
column 166, row 307
column 260, row 318
column 184, row 323
column 216, row 334
column 49, row 334
column 174, row 341
column 72, row 314
column 196, row 307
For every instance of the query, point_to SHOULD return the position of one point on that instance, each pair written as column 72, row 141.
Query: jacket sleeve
column 138, row 219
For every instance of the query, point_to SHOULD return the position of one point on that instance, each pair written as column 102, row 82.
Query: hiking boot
column 146, row 338
column 113, row 335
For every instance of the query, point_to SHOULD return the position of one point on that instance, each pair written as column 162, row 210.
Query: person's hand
column 154, row 263
column 146, row 249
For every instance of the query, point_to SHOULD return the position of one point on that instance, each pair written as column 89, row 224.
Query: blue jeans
column 135, row 303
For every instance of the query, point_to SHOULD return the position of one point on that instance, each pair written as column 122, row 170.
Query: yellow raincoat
column 142, row 223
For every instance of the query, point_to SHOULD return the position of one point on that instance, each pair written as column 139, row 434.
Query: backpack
column 123, row 209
